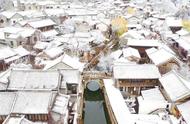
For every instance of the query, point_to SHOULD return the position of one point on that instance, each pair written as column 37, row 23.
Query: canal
column 95, row 111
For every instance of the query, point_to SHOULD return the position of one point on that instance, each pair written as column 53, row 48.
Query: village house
column 15, row 36
column 5, row 18
column 65, row 62
column 163, row 59
column 9, row 56
column 43, row 25
column 132, row 78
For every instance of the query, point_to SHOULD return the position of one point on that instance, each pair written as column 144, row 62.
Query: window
column 11, row 43
column 35, row 38
column 1, row 21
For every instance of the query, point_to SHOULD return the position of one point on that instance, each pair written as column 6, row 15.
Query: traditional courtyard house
column 163, row 59
column 34, row 80
column 142, row 45
column 6, row 102
column 175, row 89
column 120, row 113
column 133, row 78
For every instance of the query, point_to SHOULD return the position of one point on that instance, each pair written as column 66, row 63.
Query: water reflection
column 95, row 110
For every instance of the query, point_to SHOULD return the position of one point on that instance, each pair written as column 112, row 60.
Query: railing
column 96, row 75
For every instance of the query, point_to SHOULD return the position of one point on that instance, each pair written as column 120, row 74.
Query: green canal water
column 95, row 111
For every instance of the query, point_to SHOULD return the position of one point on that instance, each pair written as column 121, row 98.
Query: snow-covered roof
column 6, row 102
column 4, row 76
column 185, row 112
column 136, row 71
column 11, row 59
column 143, row 43
column 183, row 43
column 49, row 33
column 41, row 23
column 151, row 50
column 152, row 94
column 33, row 79
column 132, row 34
column 151, row 100
column 80, row 12
column 32, row 102
column 54, row 12
column 73, row 62
column 175, row 88
column 182, row 32
column 6, row 53
column 8, row 14
column 171, row 22
column 54, row 52
column 61, row 104
column 131, row 52
column 17, row 120
column 40, row 45
column 71, row 76
column 117, row 103
column 15, row 32
column 116, row 54
column 161, row 56
column 21, row 51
